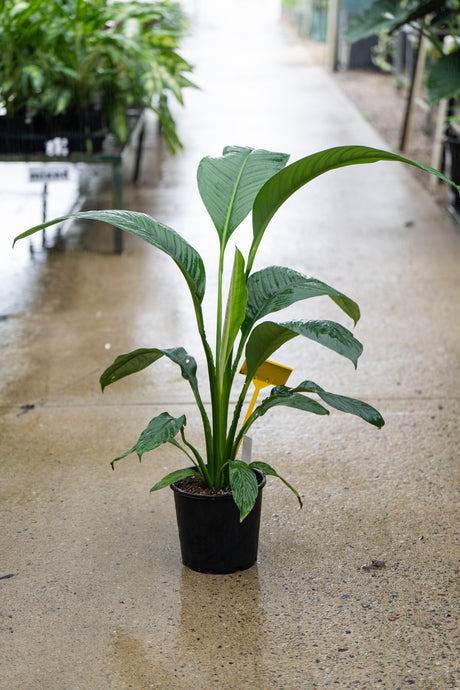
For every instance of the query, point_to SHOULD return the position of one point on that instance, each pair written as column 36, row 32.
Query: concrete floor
column 93, row 593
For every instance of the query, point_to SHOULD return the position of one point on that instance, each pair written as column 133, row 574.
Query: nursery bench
column 113, row 155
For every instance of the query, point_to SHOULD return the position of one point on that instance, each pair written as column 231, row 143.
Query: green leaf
column 285, row 397
column 280, row 396
column 276, row 287
column 237, row 296
column 284, row 183
column 186, row 362
column 62, row 101
column 343, row 403
column 294, row 398
column 387, row 15
column 444, row 77
column 229, row 184
column 129, row 363
column 135, row 361
column 159, row 430
column 168, row 124
column 118, row 120
column 155, row 233
column 379, row 16
column 268, row 470
column 244, row 486
column 35, row 75
column 173, row 477
column 269, row 336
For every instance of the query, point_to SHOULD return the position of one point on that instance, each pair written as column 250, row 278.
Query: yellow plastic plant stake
column 268, row 374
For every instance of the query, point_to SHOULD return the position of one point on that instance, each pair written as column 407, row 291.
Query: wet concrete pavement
column 93, row 594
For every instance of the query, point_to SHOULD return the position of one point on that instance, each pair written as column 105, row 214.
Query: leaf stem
column 199, row 460
column 232, row 443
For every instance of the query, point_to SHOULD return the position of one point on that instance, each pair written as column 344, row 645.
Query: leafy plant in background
column 241, row 181
column 435, row 19
column 67, row 56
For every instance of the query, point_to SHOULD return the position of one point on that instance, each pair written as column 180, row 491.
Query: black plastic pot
column 84, row 131
column 18, row 135
column 212, row 538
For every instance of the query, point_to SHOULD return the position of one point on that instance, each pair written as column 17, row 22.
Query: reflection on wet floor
column 27, row 201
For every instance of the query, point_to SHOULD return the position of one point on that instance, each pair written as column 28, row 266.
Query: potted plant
column 222, row 493
column 74, row 69
column 439, row 22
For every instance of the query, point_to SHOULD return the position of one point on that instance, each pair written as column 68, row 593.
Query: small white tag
column 247, row 449
column 48, row 173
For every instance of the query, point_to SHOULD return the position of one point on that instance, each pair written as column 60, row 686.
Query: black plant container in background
column 19, row 135
column 452, row 145
column 83, row 129
column 212, row 538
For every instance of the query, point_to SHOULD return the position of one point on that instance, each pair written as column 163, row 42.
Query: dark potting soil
column 195, row 485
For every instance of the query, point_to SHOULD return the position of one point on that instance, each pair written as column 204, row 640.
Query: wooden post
column 414, row 91
column 436, row 155
column 332, row 34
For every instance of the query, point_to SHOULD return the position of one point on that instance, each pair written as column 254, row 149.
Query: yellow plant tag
column 268, row 374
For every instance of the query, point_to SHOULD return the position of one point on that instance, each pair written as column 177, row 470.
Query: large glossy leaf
column 172, row 477
column 268, row 470
column 444, row 77
column 229, row 184
column 286, row 397
column 343, row 403
column 135, row 361
column 159, row 430
column 281, row 396
column 387, row 15
column 129, row 363
column 277, row 287
column 237, row 296
column 282, row 185
column 155, row 233
column 269, row 336
column 244, row 486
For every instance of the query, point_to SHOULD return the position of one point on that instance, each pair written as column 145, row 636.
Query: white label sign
column 45, row 173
